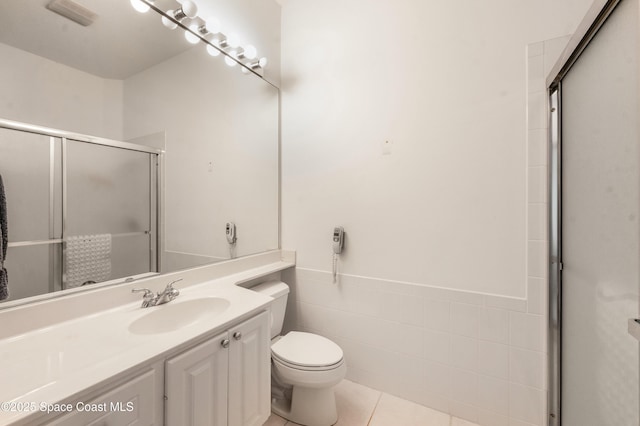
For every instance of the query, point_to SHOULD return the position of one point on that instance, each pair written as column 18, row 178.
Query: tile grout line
column 374, row 409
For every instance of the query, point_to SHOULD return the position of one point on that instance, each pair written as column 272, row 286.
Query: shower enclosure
column 80, row 209
column 594, row 249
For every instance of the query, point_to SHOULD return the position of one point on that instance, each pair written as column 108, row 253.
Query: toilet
column 305, row 367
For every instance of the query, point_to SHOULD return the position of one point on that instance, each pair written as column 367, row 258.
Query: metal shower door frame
column 593, row 21
column 156, row 188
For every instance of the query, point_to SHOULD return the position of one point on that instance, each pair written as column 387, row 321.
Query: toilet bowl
column 305, row 368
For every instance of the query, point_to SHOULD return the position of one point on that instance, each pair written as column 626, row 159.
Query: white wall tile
column 489, row 418
column 527, row 331
column 535, row 73
column 362, row 299
column 552, row 51
column 464, row 411
column 457, row 421
column 408, row 309
column 508, row 303
column 437, row 378
column 437, row 314
column 407, row 369
column 526, row 404
column 537, row 302
column 464, row 386
column 527, row 367
column 537, row 264
column 493, row 394
column 435, row 401
column 493, row 325
column 437, row 346
column 451, row 295
column 537, row 147
column 493, row 359
column 537, row 184
column 464, row 319
column 514, row 422
column 537, row 220
column 537, row 110
column 464, row 352
column 410, row 340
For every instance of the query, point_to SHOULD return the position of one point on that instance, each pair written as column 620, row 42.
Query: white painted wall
column 39, row 91
column 444, row 83
column 451, row 311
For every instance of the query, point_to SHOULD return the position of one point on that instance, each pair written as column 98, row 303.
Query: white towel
column 88, row 259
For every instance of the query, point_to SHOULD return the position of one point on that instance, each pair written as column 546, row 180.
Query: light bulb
column 229, row 61
column 220, row 41
column 250, row 52
column 168, row 22
column 212, row 50
column 140, row 6
column 262, row 62
column 191, row 38
column 189, row 8
column 213, row 25
column 245, row 70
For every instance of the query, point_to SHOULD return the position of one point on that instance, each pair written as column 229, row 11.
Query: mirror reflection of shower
column 78, row 213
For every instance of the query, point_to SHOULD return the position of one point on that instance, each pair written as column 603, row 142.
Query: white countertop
column 54, row 363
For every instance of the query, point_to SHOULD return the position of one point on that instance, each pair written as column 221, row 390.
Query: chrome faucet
column 150, row 299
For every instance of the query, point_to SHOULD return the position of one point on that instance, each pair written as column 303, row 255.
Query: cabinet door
column 196, row 385
column 137, row 402
column 250, row 372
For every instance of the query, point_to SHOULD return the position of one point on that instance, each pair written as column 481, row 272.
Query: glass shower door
column 31, row 173
column 600, row 233
column 110, row 216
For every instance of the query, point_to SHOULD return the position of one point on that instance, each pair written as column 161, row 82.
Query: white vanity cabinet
column 136, row 402
column 223, row 381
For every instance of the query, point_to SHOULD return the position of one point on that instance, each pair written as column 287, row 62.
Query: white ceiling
column 120, row 43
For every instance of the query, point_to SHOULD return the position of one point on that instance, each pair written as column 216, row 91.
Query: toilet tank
column 279, row 291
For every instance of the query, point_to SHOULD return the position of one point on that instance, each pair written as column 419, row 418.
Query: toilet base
column 308, row 406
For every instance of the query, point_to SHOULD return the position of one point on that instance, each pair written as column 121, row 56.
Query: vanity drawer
column 138, row 402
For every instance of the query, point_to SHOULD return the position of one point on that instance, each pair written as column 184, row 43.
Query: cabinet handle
column 225, row 343
column 237, row 335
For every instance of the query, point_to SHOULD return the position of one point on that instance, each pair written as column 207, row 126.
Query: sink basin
column 176, row 315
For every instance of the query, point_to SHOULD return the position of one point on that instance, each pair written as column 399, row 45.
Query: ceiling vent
column 73, row 11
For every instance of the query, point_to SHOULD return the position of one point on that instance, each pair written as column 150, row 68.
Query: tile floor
column 362, row 406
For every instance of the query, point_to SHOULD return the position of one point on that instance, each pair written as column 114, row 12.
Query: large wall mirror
column 126, row 150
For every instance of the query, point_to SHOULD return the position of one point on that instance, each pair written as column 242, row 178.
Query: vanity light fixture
column 249, row 52
column 187, row 10
column 229, row 60
column 140, row 6
column 208, row 29
column 190, row 36
column 212, row 50
column 212, row 25
column 168, row 22
column 255, row 66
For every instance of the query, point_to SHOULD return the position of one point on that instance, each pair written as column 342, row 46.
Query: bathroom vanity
column 101, row 359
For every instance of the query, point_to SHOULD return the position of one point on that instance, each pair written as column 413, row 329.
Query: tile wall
column 476, row 356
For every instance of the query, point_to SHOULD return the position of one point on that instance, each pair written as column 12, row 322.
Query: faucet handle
column 148, row 294
column 148, row 298
column 172, row 289
column 170, row 285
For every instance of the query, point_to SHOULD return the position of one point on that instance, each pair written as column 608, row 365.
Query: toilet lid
column 306, row 350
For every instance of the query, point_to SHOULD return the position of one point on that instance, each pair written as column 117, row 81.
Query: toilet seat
column 307, row 351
